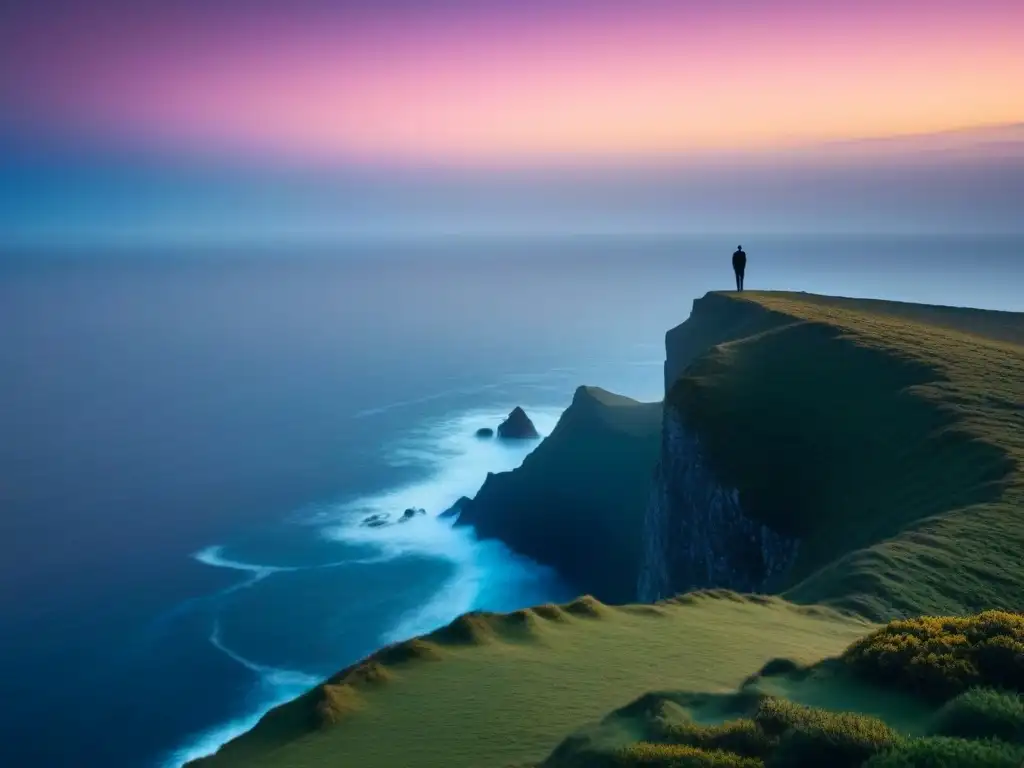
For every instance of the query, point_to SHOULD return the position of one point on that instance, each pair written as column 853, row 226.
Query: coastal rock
column 410, row 513
column 456, row 509
column 577, row 501
column 376, row 520
column 485, row 432
column 517, row 426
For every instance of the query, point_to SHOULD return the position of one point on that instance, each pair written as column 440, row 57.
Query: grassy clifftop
column 887, row 436
column 493, row 690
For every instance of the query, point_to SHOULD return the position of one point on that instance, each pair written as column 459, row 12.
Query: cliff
column 840, row 451
column 862, row 455
column 696, row 534
column 577, row 501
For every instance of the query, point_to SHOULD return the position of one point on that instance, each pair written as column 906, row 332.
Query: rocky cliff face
column 696, row 534
column 577, row 501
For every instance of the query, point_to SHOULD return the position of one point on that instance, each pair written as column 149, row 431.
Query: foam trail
column 212, row 556
column 276, row 686
column 273, row 675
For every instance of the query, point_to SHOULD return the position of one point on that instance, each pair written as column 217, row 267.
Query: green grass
column 492, row 690
column 887, row 437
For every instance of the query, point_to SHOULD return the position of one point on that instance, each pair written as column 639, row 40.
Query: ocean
column 189, row 439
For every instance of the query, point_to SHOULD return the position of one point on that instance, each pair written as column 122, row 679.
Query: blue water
column 188, row 440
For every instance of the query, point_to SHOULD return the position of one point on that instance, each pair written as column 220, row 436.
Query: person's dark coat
column 739, row 261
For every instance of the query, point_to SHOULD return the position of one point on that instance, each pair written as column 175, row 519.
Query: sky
column 103, row 90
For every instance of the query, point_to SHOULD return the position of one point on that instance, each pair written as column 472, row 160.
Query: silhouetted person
column 739, row 266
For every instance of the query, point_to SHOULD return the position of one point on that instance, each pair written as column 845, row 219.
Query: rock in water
column 456, row 508
column 376, row 520
column 485, row 432
column 517, row 426
column 410, row 513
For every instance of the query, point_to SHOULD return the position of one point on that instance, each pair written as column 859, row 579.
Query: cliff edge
column 859, row 453
column 577, row 501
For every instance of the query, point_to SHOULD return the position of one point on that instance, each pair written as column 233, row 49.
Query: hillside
column 886, row 438
column 581, row 490
column 490, row 690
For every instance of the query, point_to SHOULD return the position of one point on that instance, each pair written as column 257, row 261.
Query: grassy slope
column 582, row 490
column 887, row 436
column 503, row 690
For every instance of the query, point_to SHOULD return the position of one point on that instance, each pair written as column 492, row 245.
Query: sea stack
column 517, row 426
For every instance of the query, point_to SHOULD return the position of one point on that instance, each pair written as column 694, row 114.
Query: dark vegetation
column 942, row 657
column 969, row 667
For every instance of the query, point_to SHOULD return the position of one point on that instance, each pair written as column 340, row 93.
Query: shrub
column 944, row 656
column 982, row 713
column 776, row 716
column 839, row 745
column 742, row 737
column 647, row 755
column 943, row 752
column 816, row 737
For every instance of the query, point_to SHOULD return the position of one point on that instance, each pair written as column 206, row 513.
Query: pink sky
column 493, row 81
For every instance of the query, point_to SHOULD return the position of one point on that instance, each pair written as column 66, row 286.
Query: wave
column 274, row 676
column 212, row 556
column 275, row 687
column 457, row 461
column 453, row 463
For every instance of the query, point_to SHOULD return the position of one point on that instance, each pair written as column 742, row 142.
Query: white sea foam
column 487, row 575
column 457, row 462
column 212, row 556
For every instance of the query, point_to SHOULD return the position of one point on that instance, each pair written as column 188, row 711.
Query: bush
column 941, row 657
column 742, row 737
column 817, row 737
column 943, row 752
column 983, row 713
column 835, row 747
column 646, row 755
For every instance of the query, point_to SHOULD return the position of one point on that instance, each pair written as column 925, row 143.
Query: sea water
column 191, row 440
